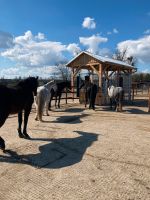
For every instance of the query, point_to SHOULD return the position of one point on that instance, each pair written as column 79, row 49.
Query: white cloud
column 34, row 51
column 44, row 72
column 148, row 13
column 6, row 40
column 93, row 42
column 147, row 31
column 74, row 49
column 89, row 23
column 40, row 36
column 115, row 31
column 109, row 32
column 105, row 52
column 139, row 48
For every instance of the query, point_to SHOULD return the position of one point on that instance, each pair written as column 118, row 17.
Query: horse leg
column 56, row 102
column 3, row 117
column 49, row 105
column 120, row 103
column 111, row 102
column 46, row 105
column 36, row 108
column 51, row 97
column 26, row 115
column 90, row 103
column 20, row 124
column 59, row 101
column 93, row 101
column 120, row 106
column 117, row 105
column 35, row 103
column 2, row 144
column 86, row 99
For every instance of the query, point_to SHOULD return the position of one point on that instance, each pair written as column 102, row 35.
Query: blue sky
column 37, row 35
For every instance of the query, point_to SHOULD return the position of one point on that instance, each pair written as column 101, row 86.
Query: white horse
column 116, row 97
column 42, row 99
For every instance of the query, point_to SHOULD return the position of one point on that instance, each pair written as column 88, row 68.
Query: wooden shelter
column 106, row 69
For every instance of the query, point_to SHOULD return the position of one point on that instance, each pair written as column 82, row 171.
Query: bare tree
column 63, row 72
column 122, row 56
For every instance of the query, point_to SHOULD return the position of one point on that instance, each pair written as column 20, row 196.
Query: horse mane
column 25, row 81
column 50, row 82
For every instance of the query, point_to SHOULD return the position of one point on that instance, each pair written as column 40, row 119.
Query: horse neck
column 49, row 84
column 63, row 85
column 23, row 86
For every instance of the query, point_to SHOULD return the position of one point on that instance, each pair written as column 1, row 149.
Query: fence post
column 133, row 93
column 66, row 96
column 149, row 102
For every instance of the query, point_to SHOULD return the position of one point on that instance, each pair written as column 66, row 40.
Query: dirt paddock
column 78, row 154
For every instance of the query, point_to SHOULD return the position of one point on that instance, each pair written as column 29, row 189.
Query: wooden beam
column 100, row 73
column 77, row 70
column 72, row 83
column 149, row 102
column 94, row 69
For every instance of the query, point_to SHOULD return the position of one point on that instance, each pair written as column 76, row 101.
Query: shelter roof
column 101, row 59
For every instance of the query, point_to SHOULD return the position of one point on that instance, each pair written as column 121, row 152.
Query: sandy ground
column 78, row 154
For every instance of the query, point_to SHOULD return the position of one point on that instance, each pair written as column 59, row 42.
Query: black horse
column 90, row 90
column 56, row 91
column 16, row 100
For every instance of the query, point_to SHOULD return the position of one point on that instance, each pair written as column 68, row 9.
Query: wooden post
column 118, row 75
column 133, row 92
column 91, row 78
column 136, row 88
column 149, row 102
column 72, row 83
column 100, row 75
column 129, row 86
column 100, row 96
column 66, row 96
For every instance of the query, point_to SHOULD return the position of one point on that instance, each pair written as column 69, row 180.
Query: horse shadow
column 75, row 119
column 69, row 110
column 75, row 110
column 57, row 153
column 137, row 111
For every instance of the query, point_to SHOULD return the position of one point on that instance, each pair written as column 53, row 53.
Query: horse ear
column 37, row 77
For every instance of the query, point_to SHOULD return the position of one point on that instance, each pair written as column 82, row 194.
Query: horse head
column 111, row 90
column 29, row 84
column 68, row 84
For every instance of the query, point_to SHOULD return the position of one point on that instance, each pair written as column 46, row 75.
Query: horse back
column 14, row 99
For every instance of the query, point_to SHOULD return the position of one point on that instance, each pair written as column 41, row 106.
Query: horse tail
column 35, row 102
column 40, row 105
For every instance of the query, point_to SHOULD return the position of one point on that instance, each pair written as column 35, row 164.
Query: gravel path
column 78, row 154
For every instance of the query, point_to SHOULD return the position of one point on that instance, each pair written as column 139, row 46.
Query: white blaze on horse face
column 111, row 91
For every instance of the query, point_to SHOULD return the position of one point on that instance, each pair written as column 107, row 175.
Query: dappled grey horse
column 116, row 97
column 42, row 99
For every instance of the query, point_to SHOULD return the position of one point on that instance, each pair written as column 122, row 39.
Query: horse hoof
column 2, row 144
column 21, row 135
column 26, row 136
